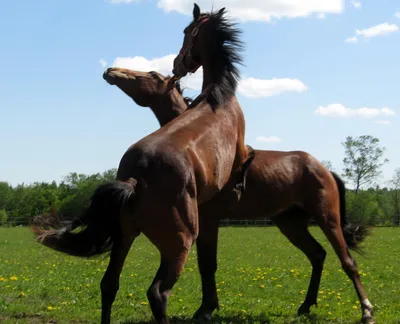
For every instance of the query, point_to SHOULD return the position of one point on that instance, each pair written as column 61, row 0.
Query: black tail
column 353, row 234
column 95, row 228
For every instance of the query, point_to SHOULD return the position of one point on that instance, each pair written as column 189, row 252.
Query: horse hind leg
column 293, row 224
column 207, row 262
column 171, row 267
column 331, row 226
column 110, row 283
column 179, row 232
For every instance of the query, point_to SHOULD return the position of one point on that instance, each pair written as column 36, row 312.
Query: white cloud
column 270, row 139
column 339, row 110
column 321, row 16
column 252, row 87
column 356, row 4
column 383, row 122
column 351, row 40
column 397, row 14
column 162, row 65
column 377, row 30
column 103, row 62
column 258, row 10
column 248, row 87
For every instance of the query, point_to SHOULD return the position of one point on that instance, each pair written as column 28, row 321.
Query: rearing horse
column 325, row 204
column 163, row 178
column 289, row 180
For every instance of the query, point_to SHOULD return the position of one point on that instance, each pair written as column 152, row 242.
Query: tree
column 363, row 159
column 395, row 196
column 327, row 164
column 3, row 217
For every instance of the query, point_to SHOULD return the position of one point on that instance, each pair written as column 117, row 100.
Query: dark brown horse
column 291, row 187
column 163, row 178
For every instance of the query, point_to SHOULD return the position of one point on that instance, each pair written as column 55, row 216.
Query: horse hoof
column 202, row 316
column 303, row 310
column 367, row 320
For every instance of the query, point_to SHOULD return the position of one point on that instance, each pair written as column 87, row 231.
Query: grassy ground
column 261, row 279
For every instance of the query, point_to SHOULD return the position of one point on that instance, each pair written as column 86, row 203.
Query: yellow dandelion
column 50, row 308
column 355, row 307
column 144, row 303
column 262, row 286
column 21, row 294
column 13, row 278
column 279, row 286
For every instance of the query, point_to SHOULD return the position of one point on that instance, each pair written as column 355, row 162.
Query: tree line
column 366, row 201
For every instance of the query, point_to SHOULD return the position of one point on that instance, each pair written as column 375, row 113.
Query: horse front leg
column 239, row 177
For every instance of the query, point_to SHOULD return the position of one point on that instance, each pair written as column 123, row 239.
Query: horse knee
column 349, row 266
column 153, row 294
column 319, row 258
column 109, row 288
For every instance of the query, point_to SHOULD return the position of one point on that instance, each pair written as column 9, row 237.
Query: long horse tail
column 92, row 233
column 353, row 234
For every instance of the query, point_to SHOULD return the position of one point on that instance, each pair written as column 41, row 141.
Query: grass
column 261, row 278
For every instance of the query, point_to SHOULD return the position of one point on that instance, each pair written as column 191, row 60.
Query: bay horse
column 161, row 181
column 290, row 187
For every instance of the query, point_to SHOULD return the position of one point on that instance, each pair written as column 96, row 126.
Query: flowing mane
column 227, row 54
column 178, row 87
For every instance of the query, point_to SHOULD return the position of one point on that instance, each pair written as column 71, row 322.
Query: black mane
column 178, row 87
column 227, row 54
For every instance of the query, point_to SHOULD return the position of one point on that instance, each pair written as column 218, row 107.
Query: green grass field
column 261, row 278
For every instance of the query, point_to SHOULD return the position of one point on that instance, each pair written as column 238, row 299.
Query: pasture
column 261, row 278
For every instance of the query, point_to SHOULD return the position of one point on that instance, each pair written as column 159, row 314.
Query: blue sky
column 58, row 115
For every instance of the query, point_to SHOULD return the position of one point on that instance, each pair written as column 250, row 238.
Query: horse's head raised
column 143, row 87
column 198, row 42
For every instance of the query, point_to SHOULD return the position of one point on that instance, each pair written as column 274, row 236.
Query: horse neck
column 210, row 75
column 168, row 107
column 217, row 76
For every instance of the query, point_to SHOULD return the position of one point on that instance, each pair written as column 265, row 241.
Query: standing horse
column 161, row 180
column 294, row 182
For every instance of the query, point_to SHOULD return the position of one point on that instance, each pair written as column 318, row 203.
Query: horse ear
column 196, row 12
column 221, row 11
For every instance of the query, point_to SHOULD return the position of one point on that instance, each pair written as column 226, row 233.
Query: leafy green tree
column 363, row 160
column 3, row 217
column 395, row 196
column 327, row 164
column 6, row 192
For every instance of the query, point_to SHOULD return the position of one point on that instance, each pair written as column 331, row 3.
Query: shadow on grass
column 239, row 319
